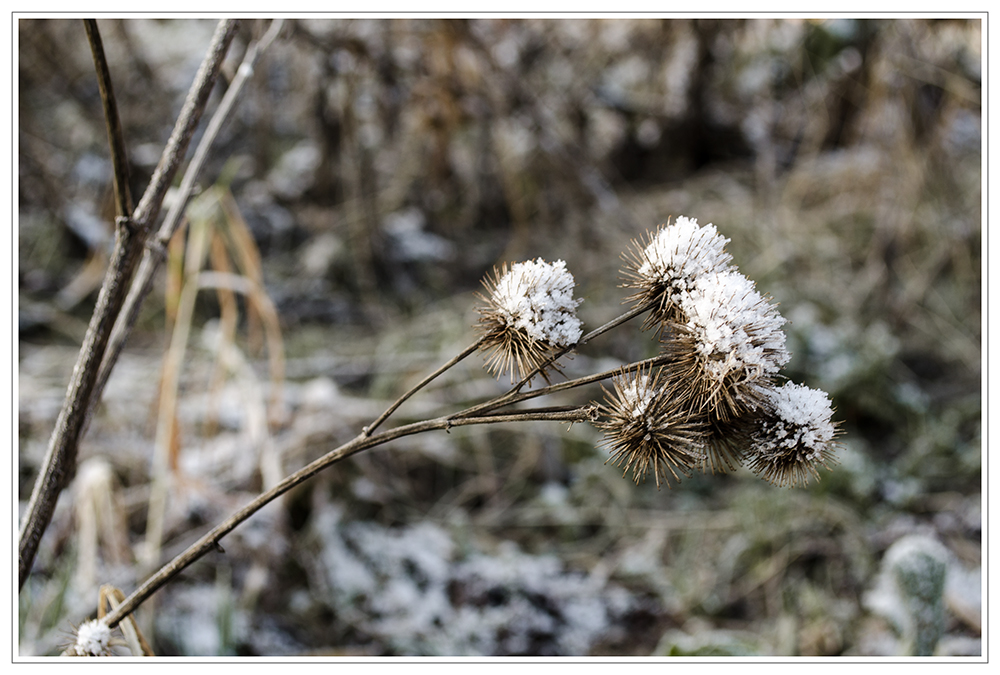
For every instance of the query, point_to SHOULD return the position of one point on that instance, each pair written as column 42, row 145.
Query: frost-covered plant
column 93, row 638
column 530, row 312
column 707, row 401
column 729, row 343
column 670, row 262
column 723, row 348
column 909, row 592
column 648, row 428
column 794, row 436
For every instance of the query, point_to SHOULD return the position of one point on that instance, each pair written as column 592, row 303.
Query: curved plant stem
column 420, row 385
column 513, row 396
column 474, row 346
column 484, row 413
column 210, row 541
column 481, row 414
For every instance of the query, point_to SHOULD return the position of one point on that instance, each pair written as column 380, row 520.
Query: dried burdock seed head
column 530, row 312
column 686, row 370
column 726, row 443
column 729, row 343
column 669, row 262
column 93, row 638
column 724, row 410
column 794, row 437
column 647, row 428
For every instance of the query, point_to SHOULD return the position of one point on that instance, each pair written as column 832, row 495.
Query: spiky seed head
column 93, row 638
column 794, row 437
column 686, row 370
column 648, row 430
column 529, row 313
column 665, row 264
column 726, row 443
column 729, row 340
column 715, row 403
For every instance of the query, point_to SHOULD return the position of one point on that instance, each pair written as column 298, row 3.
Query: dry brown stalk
column 210, row 541
column 59, row 464
column 478, row 414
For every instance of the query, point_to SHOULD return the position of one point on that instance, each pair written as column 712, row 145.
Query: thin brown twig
column 187, row 121
column 513, row 396
column 634, row 312
column 482, row 414
column 210, row 541
column 420, row 385
column 59, row 464
column 116, row 137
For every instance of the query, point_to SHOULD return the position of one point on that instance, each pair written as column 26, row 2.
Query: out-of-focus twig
column 156, row 249
column 574, row 162
column 59, row 464
column 116, row 137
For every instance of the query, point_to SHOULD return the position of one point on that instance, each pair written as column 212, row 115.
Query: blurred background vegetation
column 372, row 172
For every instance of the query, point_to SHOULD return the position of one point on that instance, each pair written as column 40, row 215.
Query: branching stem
column 514, row 391
column 59, row 464
column 485, row 413
column 155, row 248
column 210, row 540
column 420, row 385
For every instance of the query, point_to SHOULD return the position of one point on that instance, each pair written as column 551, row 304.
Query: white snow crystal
column 636, row 394
column 735, row 326
column 537, row 297
column 803, row 420
column 93, row 638
column 683, row 251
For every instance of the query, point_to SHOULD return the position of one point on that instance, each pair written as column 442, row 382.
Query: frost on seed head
column 722, row 346
column 647, row 429
column 537, row 297
column 804, row 416
column 726, row 345
column 795, row 436
column 93, row 638
column 734, row 326
column 669, row 264
column 683, row 251
column 635, row 396
column 530, row 312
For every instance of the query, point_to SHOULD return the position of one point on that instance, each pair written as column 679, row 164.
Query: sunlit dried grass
column 217, row 235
